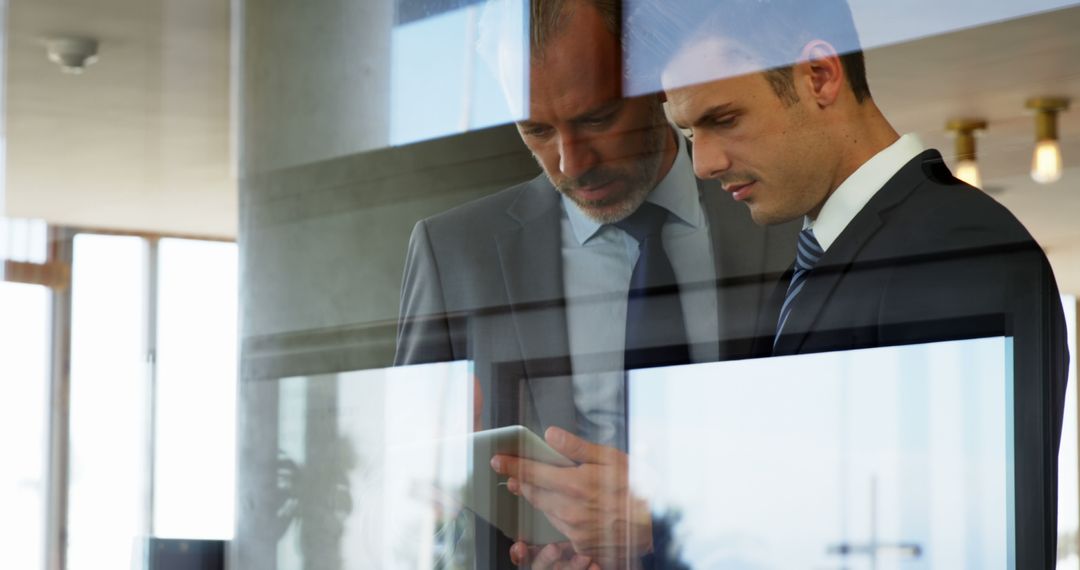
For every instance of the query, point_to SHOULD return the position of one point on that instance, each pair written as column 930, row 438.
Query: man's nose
column 710, row 160
column 576, row 155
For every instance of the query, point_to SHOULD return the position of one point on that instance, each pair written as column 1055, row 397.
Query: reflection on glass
column 108, row 492
column 364, row 479
column 878, row 24
column 891, row 457
column 196, row 390
column 24, row 342
column 458, row 71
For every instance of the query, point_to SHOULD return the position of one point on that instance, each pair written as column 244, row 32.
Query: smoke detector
column 73, row 55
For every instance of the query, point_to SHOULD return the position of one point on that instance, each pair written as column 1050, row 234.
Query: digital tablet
column 486, row 494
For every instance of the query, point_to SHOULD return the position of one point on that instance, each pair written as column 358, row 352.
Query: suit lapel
column 531, row 262
column 837, row 262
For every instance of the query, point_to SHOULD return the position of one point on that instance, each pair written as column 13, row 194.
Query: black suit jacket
column 930, row 258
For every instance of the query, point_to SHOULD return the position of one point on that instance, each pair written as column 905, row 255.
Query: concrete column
column 314, row 85
column 316, row 80
column 326, row 208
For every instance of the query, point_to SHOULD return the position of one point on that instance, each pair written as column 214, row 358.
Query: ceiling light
column 1046, row 163
column 72, row 54
column 966, row 167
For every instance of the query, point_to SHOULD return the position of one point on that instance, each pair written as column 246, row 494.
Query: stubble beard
column 639, row 179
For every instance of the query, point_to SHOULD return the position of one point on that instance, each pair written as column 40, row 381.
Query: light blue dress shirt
column 597, row 262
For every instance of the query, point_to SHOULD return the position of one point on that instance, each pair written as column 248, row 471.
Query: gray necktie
column 806, row 257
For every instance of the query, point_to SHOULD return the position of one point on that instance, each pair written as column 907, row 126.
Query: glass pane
column 109, row 501
column 196, row 390
column 656, row 26
column 24, row 370
column 389, row 486
column 382, row 226
column 473, row 75
column 894, row 457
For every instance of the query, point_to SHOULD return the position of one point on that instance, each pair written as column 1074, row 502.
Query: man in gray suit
column 532, row 283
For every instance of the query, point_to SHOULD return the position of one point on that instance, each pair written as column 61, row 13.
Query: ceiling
column 989, row 72
column 141, row 141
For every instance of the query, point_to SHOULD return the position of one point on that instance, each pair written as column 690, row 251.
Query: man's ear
column 820, row 72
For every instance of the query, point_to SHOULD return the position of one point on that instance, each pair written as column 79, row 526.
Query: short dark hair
column 772, row 31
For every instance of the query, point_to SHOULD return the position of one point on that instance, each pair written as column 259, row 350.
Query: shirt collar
column 853, row 194
column 677, row 193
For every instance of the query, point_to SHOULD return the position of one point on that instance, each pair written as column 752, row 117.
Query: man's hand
column 590, row 503
column 560, row 556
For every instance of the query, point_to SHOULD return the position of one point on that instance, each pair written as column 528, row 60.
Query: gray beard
column 642, row 181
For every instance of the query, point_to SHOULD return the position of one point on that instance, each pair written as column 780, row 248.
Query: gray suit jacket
column 483, row 282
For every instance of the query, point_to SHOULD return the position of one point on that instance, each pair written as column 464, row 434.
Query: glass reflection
column 476, row 290
column 649, row 22
column 881, row 458
column 458, row 70
column 368, row 475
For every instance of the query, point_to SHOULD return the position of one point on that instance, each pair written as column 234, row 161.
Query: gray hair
column 547, row 18
column 503, row 46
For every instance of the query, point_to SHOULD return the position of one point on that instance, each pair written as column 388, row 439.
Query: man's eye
column 725, row 122
column 597, row 121
column 536, row 131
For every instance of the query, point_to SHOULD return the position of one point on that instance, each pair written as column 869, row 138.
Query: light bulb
column 1046, row 164
column 968, row 171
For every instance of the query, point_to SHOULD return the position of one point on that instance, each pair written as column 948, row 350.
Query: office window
column 152, row 397
column 23, row 240
column 24, row 322
column 109, row 421
column 196, row 390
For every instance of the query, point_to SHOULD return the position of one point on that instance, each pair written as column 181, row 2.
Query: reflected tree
column 315, row 496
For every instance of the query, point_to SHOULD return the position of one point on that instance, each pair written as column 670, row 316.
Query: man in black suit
column 894, row 249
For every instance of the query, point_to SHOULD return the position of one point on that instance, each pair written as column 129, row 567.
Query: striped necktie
column 806, row 256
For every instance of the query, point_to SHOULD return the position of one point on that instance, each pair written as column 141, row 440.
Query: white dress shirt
column 598, row 260
column 852, row 195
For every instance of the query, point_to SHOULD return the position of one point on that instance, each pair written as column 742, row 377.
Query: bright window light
column 109, row 422
column 24, row 340
column 23, row 240
column 196, row 390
